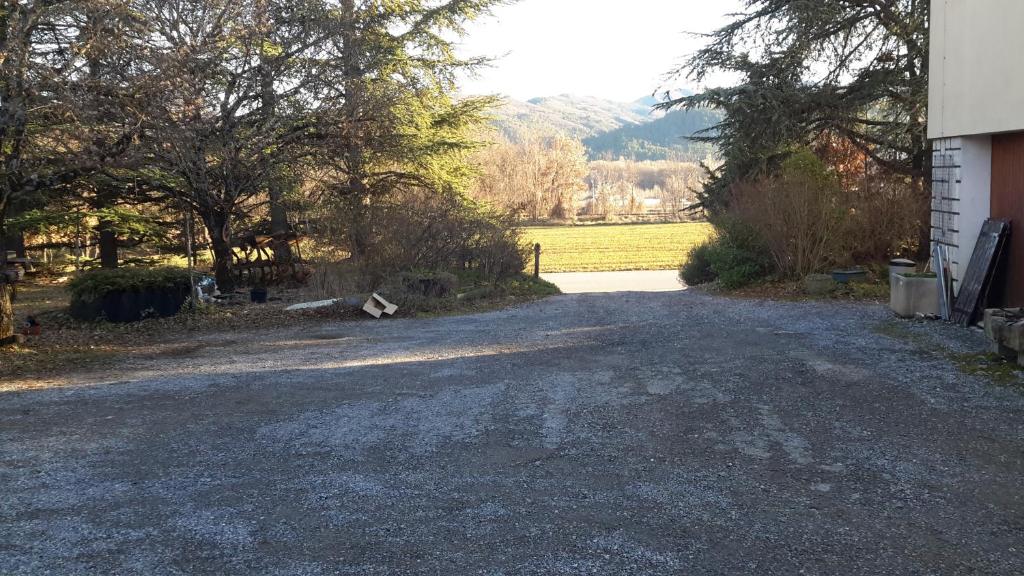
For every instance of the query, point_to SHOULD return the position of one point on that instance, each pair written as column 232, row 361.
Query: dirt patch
column 68, row 347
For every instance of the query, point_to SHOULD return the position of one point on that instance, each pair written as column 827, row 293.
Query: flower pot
column 819, row 284
column 131, row 305
column 848, row 276
column 911, row 295
column 258, row 295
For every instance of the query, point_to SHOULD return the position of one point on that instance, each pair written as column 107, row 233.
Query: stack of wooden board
column 974, row 289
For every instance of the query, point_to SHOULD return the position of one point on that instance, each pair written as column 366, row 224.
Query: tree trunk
column 14, row 241
column 218, row 226
column 278, row 214
column 19, row 245
column 108, row 245
column 357, row 192
column 359, row 228
column 6, row 289
column 6, row 309
column 3, row 239
column 279, row 226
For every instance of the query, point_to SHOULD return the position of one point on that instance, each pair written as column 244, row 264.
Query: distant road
column 602, row 282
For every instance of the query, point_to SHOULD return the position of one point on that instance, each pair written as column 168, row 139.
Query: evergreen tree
column 58, row 122
column 853, row 68
column 401, row 124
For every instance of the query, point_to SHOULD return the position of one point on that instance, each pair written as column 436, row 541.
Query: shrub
column 331, row 278
column 429, row 284
column 883, row 219
column 697, row 268
column 797, row 213
column 98, row 283
column 419, row 230
column 739, row 260
column 813, row 217
column 737, row 257
column 496, row 250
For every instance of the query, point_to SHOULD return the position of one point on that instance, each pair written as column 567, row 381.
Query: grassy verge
column 868, row 292
column 992, row 367
column 486, row 298
column 613, row 247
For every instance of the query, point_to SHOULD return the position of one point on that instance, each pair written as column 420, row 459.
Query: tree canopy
column 852, row 68
column 220, row 108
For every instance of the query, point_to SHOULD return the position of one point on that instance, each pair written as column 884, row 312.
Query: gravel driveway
column 660, row 433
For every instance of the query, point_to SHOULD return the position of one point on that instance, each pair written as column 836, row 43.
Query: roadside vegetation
column 67, row 345
column 805, row 219
column 825, row 159
column 269, row 150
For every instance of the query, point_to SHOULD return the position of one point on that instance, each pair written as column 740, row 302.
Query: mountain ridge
column 608, row 129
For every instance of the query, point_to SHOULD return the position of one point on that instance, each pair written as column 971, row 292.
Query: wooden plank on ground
column 974, row 289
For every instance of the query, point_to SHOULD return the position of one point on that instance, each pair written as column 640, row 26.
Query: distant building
column 652, row 205
column 976, row 122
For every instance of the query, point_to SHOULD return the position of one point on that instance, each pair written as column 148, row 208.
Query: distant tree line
column 624, row 187
column 538, row 178
column 550, row 179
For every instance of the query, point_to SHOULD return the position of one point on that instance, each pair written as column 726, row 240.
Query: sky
column 614, row 49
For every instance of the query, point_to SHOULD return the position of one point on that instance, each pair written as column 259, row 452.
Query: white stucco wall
column 961, row 196
column 976, row 77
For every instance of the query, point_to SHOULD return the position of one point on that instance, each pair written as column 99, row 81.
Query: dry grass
column 67, row 346
column 607, row 248
column 869, row 292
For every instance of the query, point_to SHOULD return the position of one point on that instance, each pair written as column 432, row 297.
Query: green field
column 605, row 248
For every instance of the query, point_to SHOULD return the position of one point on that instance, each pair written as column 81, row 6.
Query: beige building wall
column 976, row 67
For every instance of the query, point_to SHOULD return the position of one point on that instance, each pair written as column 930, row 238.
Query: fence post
column 536, row 260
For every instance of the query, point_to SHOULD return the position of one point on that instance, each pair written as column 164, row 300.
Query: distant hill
column 609, row 129
column 574, row 116
column 662, row 139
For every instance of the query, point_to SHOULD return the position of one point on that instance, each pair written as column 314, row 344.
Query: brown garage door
column 1008, row 202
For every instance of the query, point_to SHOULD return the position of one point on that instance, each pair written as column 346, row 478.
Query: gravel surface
column 659, row 433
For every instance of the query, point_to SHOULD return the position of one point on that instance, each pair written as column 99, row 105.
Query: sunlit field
column 606, row 248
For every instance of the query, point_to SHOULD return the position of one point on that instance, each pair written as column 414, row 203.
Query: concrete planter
column 1005, row 328
column 819, row 284
column 913, row 295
